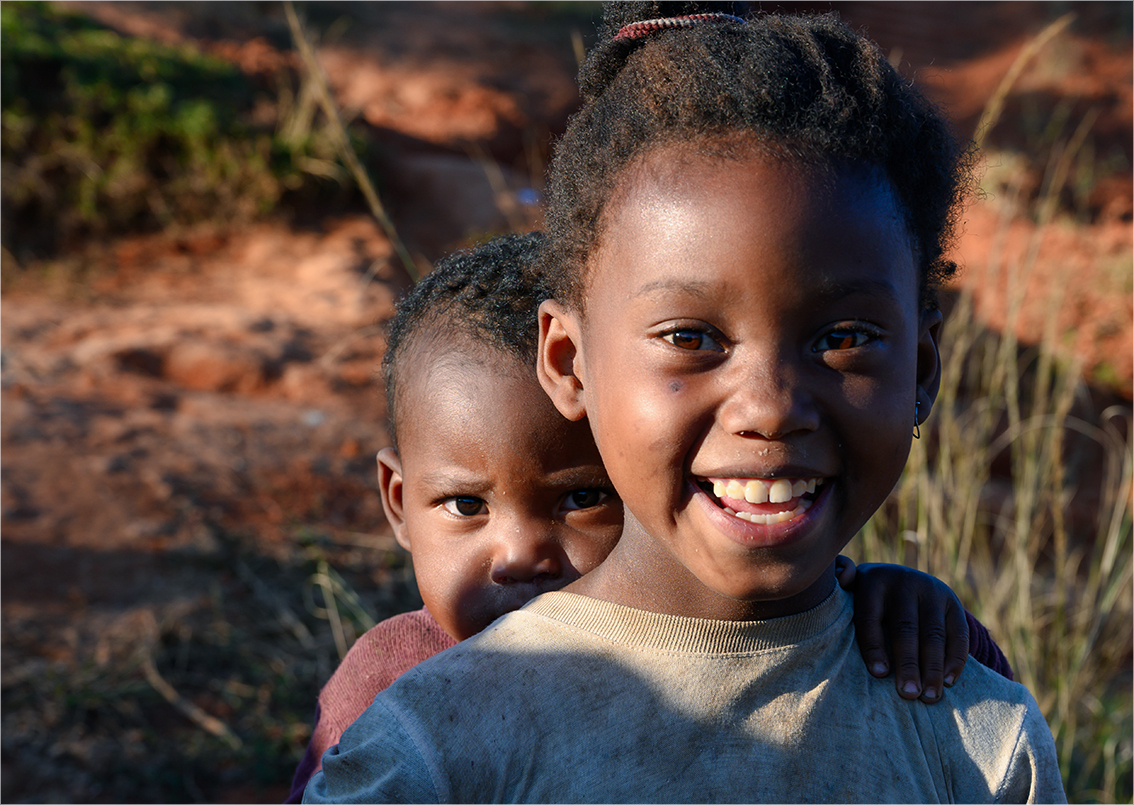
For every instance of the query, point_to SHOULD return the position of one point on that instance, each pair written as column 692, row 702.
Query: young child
column 495, row 494
column 462, row 374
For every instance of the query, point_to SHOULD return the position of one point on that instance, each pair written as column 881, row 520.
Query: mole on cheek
column 676, row 386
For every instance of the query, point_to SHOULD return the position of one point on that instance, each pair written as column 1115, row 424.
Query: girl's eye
column 693, row 340
column 583, row 499
column 464, row 506
column 843, row 339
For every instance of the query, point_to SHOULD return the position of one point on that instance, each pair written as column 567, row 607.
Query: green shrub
column 104, row 133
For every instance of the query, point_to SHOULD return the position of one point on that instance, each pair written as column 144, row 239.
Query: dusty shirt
column 577, row 700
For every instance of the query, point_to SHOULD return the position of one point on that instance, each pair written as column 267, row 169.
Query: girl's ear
column 559, row 364
column 390, row 485
column 928, row 361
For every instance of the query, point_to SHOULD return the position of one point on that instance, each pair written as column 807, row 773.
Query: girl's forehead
column 657, row 180
column 667, row 188
column 694, row 218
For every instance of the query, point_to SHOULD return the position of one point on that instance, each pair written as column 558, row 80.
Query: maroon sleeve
column 984, row 649
column 373, row 663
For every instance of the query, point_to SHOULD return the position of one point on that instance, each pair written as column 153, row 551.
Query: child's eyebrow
column 452, row 483
column 579, row 477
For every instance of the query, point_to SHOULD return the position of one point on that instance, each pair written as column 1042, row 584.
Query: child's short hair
column 806, row 87
column 489, row 294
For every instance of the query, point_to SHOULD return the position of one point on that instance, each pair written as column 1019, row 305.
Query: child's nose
column 769, row 400
column 525, row 554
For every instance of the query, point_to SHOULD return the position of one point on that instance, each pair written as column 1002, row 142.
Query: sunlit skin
column 745, row 318
column 496, row 495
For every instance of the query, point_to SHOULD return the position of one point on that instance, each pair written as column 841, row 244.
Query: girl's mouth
column 763, row 501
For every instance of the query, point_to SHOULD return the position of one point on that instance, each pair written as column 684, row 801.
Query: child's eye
column 583, row 499
column 693, row 340
column 844, row 339
column 464, row 506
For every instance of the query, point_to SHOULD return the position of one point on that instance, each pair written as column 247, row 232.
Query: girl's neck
column 643, row 574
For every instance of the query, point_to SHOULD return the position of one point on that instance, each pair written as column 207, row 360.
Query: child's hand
column 844, row 572
column 918, row 616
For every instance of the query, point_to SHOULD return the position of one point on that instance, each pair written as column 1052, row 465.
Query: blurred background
column 207, row 212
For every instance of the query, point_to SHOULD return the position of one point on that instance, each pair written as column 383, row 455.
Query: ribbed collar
column 654, row 631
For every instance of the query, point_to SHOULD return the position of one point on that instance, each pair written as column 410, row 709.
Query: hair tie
column 638, row 29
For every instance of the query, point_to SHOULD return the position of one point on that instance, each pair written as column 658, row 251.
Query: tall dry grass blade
column 330, row 609
column 503, row 198
column 992, row 110
column 210, row 724
column 323, row 93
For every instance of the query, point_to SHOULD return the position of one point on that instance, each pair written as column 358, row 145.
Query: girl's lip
column 757, row 535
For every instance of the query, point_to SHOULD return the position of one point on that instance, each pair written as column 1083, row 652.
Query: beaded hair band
column 638, row 29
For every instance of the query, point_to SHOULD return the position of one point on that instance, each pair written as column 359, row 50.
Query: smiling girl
column 747, row 224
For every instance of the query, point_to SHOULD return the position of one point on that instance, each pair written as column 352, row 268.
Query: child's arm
column 929, row 633
column 984, row 650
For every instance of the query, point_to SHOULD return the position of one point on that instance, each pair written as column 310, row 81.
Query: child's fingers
column 934, row 642
column 905, row 628
column 870, row 634
column 944, row 645
column 845, row 571
column 957, row 644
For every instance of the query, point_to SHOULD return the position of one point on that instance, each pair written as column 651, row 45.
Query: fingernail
column 949, row 680
column 911, row 688
column 930, row 693
column 879, row 669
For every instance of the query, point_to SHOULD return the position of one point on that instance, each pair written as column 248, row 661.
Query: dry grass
column 208, row 700
column 1019, row 497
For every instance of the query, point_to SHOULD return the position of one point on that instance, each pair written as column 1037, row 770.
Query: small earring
column 916, row 420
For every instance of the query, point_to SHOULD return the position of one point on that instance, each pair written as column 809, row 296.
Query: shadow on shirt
column 604, row 724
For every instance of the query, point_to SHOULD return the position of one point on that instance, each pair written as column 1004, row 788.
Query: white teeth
column 769, row 519
column 756, row 492
column 780, row 491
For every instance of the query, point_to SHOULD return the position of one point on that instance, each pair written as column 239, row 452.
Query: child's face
column 752, row 333
column 496, row 495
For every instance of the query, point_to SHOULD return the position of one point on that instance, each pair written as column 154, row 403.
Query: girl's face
column 749, row 360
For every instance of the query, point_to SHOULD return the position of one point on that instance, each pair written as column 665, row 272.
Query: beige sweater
column 576, row 700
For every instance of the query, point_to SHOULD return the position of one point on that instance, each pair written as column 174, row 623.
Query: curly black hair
column 805, row 87
column 489, row 294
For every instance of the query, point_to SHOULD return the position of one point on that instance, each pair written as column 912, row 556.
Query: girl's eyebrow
column 827, row 290
column 830, row 290
column 696, row 288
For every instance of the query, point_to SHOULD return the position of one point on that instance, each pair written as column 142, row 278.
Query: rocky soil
column 188, row 433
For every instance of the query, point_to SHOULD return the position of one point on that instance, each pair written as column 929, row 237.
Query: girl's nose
column 770, row 402
column 526, row 553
